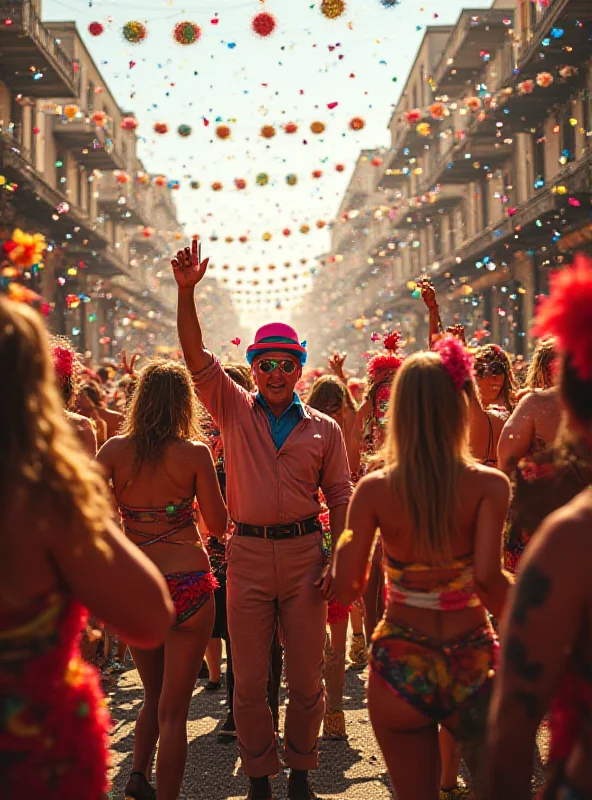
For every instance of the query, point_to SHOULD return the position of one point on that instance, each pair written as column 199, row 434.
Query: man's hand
column 458, row 331
column 325, row 582
column 187, row 270
column 128, row 369
column 336, row 363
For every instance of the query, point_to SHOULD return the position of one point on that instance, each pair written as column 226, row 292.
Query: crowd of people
column 430, row 523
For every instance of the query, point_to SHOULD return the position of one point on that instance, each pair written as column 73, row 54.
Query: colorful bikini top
column 450, row 588
column 179, row 515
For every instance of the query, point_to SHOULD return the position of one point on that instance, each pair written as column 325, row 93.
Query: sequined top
column 178, row 515
column 449, row 588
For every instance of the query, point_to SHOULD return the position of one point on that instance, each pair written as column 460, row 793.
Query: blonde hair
column 426, row 448
column 164, row 407
column 540, row 370
column 40, row 454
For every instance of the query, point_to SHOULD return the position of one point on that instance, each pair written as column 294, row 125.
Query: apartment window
column 485, row 202
column 423, row 86
column 415, row 97
column 16, row 117
column 586, row 116
column 538, row 158
column 90, row 97
column 60, row 165
column 568, row 138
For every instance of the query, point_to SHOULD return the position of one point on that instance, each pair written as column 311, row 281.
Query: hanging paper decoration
column 240, row 183
column 129, row 124
column 72, row 301
column 291, row 179
column 95, row 29
column 229, row 240
column 332, row 9
column 390, row 3
column 183, row 130
column 304, row 228
column 290, row 127
column 473, row 103
column 24, row 250
column 134, row 32
column 356, row 124
column 70, row 111
column 286, row 231
column 568, row 72
column 160, row 180
column 263, row 24
column 544, row 79
column 223, row 132
column 424, row 128
column 321, row 224
column 243, row 240
column 195, row 184
column 317, row 173
column 317, row 127
column 99, row 118
column 186, row 33
column 268, row 131
column 437, row 110
column 262, row 179
column 525, row 87
column 121, row 177
column 160, row 128
column 175, row 185
column 266, row 237
column 217, row 186
column 376, row 161
column 339, row 167
column 413, row 116
column 143, row 178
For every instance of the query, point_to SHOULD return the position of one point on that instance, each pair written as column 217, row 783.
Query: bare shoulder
column 199, row 451
column 374, row 484
column 488, row 479
column 572, row 520
column 114, row 447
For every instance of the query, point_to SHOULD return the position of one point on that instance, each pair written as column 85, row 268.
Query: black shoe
column 299, row 787
column 204, row 672
column 138, row 788
column 213, row 686
column 259, row 789
column 227, row 732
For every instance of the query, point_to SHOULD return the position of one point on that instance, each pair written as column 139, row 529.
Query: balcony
column 16, row 165
column 123, row 202
column 477, row 31
column 28, row 50
column 95, row 145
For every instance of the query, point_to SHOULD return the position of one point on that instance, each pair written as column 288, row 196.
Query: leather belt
column 278, row 532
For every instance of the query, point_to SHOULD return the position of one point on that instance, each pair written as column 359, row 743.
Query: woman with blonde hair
column 440, row 515
column 60, row 553
column 159, row 467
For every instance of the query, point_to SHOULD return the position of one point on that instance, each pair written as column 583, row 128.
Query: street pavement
column 352, row 770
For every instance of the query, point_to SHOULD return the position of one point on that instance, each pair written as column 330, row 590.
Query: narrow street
column 353, row 769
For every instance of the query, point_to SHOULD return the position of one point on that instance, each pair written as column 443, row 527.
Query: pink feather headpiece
column 457, row 360
column 567, row 314
column 388, row 362
column 64, row 360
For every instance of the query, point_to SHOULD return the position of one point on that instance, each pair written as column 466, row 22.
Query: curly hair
column 164, row 407
column 40, row 453
column 540, row 371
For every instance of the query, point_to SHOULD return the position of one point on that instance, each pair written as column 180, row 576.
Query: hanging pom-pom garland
column 332, row 9
column 95, row 28
column 183, row 130
column 263, row 24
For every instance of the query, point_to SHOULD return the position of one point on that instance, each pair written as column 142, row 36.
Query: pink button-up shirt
column 265, row 486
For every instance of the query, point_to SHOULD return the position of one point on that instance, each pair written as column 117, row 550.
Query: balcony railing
column 25, row 29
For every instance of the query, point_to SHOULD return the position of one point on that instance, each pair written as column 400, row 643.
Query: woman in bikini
column 60, row 554
column 158, row 468
column 440, row 516
column 546, row 659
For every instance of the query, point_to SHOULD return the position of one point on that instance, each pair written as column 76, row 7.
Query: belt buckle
column 282, row 531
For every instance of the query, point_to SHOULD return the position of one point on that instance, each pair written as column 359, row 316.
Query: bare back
column 184, row 472
column 479, row 488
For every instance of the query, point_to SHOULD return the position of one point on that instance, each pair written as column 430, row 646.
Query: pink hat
column 276, row 336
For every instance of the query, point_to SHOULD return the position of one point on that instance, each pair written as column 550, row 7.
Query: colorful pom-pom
column 332, row 9
column 183, row 130
column 134, row 32
column 186, row 33
column 95, row 28
column 356, row 123
column 263, row 24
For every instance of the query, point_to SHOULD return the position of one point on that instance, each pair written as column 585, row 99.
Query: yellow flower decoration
column 29, row 249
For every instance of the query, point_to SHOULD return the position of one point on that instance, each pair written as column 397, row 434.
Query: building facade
column 486, row 186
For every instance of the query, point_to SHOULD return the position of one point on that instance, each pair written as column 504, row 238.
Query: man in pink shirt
column 279, row 453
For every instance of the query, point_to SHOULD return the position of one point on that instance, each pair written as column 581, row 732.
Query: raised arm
column 188, row 273
column 428, row 295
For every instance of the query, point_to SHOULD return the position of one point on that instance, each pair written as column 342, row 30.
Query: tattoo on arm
column 530, row 702
column 532, row 592
column 517, row 656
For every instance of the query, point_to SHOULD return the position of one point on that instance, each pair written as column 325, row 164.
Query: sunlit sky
column 359, row 61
